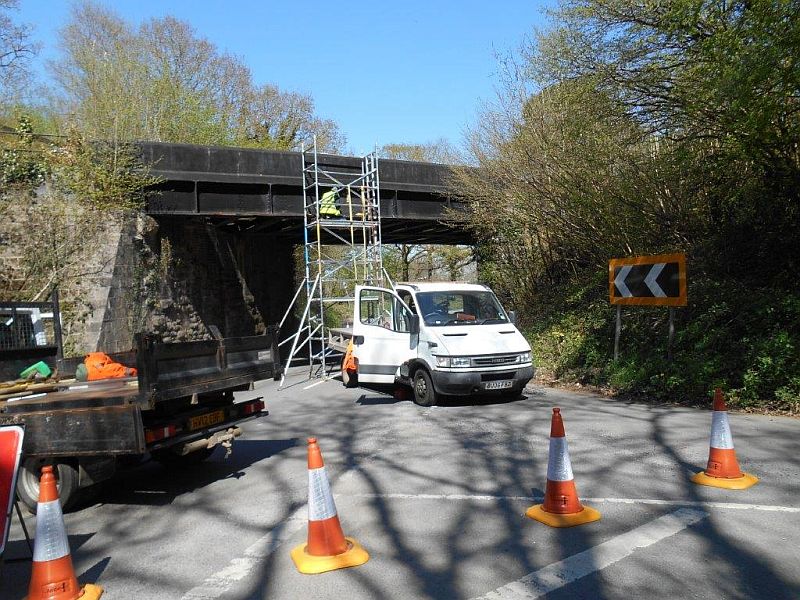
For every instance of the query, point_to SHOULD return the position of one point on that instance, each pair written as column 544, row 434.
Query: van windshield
column 463, row 307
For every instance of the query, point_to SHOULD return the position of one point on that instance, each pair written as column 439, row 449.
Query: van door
column 382, row 334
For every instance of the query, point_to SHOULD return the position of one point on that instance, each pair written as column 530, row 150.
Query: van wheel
column 424, row 394
column 28, row 483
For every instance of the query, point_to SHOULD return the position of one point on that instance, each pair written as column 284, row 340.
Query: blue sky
column 402, row 71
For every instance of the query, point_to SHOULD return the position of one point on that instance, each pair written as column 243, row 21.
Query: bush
column 745, row 340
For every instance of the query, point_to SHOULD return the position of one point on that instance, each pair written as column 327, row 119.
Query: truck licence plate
column 206, row 420
column 498, row 385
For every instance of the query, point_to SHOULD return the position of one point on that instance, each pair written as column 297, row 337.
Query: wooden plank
column 100, row 393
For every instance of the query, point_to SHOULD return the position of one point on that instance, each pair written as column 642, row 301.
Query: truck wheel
column 424, row 394
column 171, row 460
column 28, row 483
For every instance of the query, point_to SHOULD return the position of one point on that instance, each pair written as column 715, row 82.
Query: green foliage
column 635, row 128
column 107, row 177
column 731, row 335
column 440, row 151
column 162, row 81
column 21, row 164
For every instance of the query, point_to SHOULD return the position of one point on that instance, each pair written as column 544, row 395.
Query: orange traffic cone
column 327, row 548
column 53, row 577
column 350, row 367
column 561, row 507
column 723, row 469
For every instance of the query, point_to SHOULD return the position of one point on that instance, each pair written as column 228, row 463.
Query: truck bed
column 176, row 383
column 101, row 417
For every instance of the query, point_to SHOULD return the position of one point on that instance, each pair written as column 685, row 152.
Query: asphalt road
column 437, row 496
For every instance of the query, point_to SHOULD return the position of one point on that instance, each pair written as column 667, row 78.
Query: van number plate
column 498, row 385
column 206, row 420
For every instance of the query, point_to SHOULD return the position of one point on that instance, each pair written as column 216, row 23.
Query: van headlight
column 452, row 361
column 525, row 357
column 442, row 361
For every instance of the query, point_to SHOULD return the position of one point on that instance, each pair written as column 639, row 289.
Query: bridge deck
column 260, row 191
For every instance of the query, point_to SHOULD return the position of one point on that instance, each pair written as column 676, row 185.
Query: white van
column 440, row 339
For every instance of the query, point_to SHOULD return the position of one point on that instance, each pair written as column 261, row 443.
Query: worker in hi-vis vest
column 328, row 208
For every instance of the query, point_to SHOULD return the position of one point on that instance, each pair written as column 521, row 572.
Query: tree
column 164, row 82
column 284, row 120
column 718, row 78
column 429, row 261
column 689, row 69
column 440, row 151
column 16, row 50
column 634, row 127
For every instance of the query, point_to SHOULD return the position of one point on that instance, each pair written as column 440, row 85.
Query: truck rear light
column 155, row 434
column 253, row 407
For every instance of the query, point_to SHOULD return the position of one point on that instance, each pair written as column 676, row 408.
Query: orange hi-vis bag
column 100, row 366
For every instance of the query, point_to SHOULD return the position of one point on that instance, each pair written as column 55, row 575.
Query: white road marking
column 308, row 387
column 493, row 498
column 698, row 504
column 218, row 585
column 561, row 573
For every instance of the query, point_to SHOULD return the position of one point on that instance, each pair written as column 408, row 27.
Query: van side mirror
column 512, row 316
column 413, row 326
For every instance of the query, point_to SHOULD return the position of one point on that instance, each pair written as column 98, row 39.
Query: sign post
column 11, row 437
column 658, row 280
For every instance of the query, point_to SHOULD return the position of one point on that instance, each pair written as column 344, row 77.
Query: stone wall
column 177, row 277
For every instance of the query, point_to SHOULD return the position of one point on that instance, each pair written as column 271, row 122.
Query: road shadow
column 480, row 400
column 365, row 400
column 152, row 484
column 393, row 394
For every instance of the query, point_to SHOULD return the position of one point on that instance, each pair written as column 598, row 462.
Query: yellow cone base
column 587, row 515
column 91, row 592
column 739, row 483
column 313, row 565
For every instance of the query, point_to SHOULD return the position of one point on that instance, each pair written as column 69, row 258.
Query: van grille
column 494, row 361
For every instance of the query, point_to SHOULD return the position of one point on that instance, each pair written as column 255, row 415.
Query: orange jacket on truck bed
column 100, row 366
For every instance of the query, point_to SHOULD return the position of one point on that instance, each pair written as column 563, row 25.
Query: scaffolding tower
column 341, row 249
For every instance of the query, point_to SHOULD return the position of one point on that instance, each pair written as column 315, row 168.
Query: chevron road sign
column 648, row 280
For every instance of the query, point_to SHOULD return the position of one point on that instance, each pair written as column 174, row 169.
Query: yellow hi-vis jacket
column 327, row 205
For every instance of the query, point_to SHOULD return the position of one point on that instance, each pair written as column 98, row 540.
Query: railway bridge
column 216, row 246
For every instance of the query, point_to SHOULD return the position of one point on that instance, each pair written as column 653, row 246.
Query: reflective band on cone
column 51, row 539
column 722, row 469
column 327, row 548
column 327, row 537
column 561, row 507
column 559, row 467
column 52, row 573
